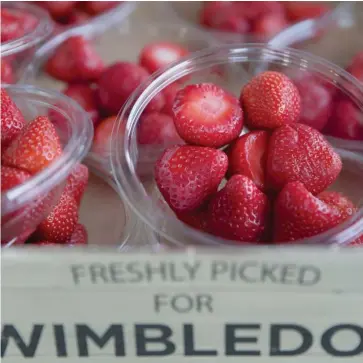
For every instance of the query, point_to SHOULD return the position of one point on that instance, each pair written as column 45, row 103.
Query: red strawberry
column 188, row 175
column 170, row 93
column 75, row 60
column 77, row 17
column 12, row 120
column 269, row 25
column 79, row 236
column 248, row 156
column 98, row 7
column 300, row 153
column 15, row 24
column 239, row 211
column 157, row 129
column 356, row 66
column 316, row 101
column 7, row 75
column 298, row 11
column 298, row 214
column 58, row 9
column 338, row 200
column 346, row 121
column 77, row 182
column 270, row 100
column 61, row 222
column 86, row 97
column 36, row 147
column 11, row 177
column 159, row 54
column 253, row 10
column 196, row 218
column 207, row 115
column 358, row 242
column 118, row 82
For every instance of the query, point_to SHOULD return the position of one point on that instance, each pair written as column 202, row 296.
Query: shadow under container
column 133, row 167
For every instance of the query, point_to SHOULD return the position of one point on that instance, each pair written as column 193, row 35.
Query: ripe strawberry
column 356, row 66
column 346, row 121
column 76, row 17
column 11, row 177
column 207, row 115
column 77, row 182
column 15, row 24
column 12, row 120
column 156, row 128
column 79, row 236
column 170, row 93
column 270, row 100
column 239, row 211
column 61, row 222
column 254, row 10
column 75, row 60
column 57, row 9
column 298, row 214
column 86, row 97
column 248, row 155
column 118, row 82
column 197, row 218
column 159, row 54
column 299, row 153
column 97, row 7
column 269, row 25
column 338, row 200
column 187, row 175
column 316, row 101
column 298, row 11
column 36, row 147
column 7, row 75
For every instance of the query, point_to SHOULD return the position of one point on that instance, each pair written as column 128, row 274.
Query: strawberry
column 76, row 17
column 86, row 97
column 61, row 222
column 270, row 100
column 98, row 7
column 207, row 115
column 346, row 121
column 11, row 177
column 77, row 182
column 298, row 214
column 7, row 75
column 36, row 147
column 239, row 211
column 214, row 13
column 187, row 175
column 300, row 153
column 248, row 155
column 316, row 101
column 358, row 242
column 57, row 9
column 15, row 24
column 75, row 60
column 79, row 236
column 269, row 25
column 12, row 120
column 298, row 11
column 254, row 10
column 338, row 200
column 356, row 66
column 169, row 93
column 159, row 54
column 118, row 82
column 156, row 128
column 196, row 218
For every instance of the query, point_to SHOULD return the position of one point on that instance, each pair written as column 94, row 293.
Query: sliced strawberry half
column 298, row 152
column 79, row 236
column 187, row 175
column 298, row 214
column 36, row 147
column 207, row 115
column 7, row 74
column 239, row 211
column 270, row 100
column 159, row 54
column 77, row 182
column 248, row 156
column 61, row 222
column 12, row 120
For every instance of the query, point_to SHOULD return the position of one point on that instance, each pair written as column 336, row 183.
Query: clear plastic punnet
column 230, row 67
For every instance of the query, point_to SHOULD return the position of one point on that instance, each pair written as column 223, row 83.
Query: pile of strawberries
column 27, row 149
column 263, row 19
column 266, row 186
column 102, row 90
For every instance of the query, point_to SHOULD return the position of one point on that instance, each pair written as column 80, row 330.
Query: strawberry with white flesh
column 187, row 175
column 239, row 211
column 270, row 100
column 158, row 55
column 299, row 214
column 77, row 182
column 60, row 223
column 300, row 153
column 207, row 115
column 248, row 156
column 36, row 147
